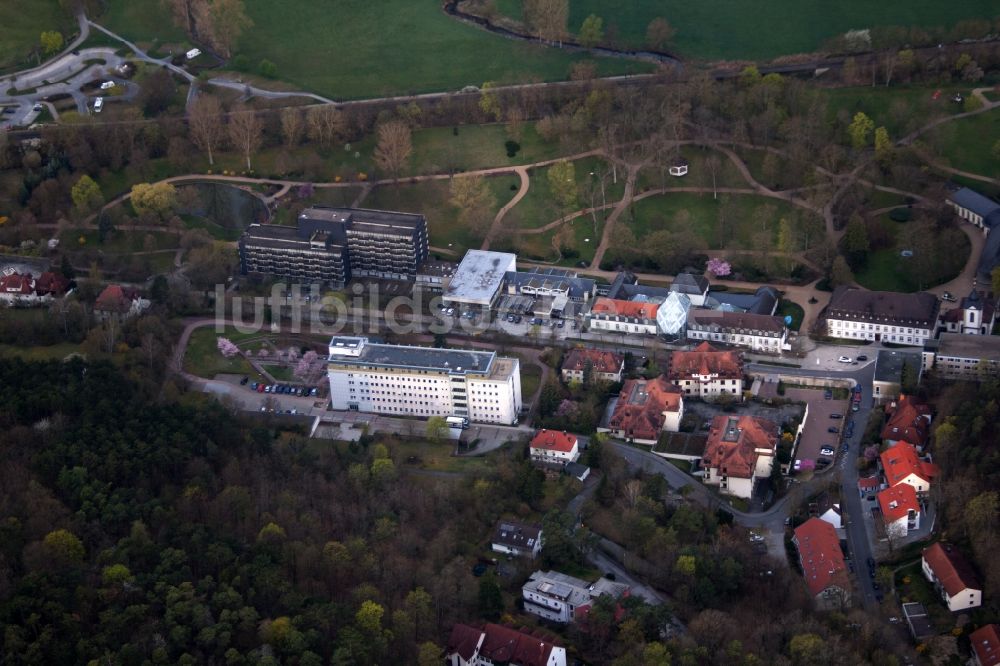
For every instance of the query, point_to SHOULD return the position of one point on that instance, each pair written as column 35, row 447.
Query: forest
column 138, row 528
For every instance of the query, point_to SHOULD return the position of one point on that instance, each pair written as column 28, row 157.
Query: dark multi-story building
column 335, row 244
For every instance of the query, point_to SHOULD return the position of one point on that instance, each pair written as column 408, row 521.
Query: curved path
column 522, row 173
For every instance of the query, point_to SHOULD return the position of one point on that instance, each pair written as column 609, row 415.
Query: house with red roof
column 644, row 409
column 902, row 464
column 553, row 446
column 867, row 485
column 621, row 316
column 497, row 644
column 51, row 284
column 739, row 453
column 952, row 575
column 823, row 564
column 603, row 365
column 17, row 288
column 900, row 510
column 908, row 421
column 119, row 303
column 985, row 643
column 707, row 371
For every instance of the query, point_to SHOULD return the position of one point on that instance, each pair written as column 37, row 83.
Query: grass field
column 352, row 51
column 967, row 143
column 698, row 175
column 887, row 270
column 661, row 212
column 900, row 109
column 202, row 356
column 539, row 207
column 736, row 29
column 144, row 22
column 23, row 22
column 468, row 147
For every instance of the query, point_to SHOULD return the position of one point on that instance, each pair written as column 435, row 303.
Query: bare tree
column 220, row 22
column 325, row 124
column 394, row 146
column 205, row 124
column 246, row 132
column 292, row 126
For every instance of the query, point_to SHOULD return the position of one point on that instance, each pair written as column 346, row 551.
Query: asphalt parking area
column 816, row 434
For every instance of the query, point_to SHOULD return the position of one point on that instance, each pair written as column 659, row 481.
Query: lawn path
column 522, row 173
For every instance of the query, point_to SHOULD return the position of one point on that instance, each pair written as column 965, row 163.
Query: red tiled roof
column 553, row 440
column 503, row 644
column 733, row 442
column 901, row 460
column 986, row 644
column 822, row 559
column 705, row 360
column 868, row 483
column 641, row 404
column 51, row 283
column 601, row 361
column 16, row 283
column 951, row 568
column 897, row 502
column 114, row 298
column 464, row 640
column 634, row 309
column 908, row 421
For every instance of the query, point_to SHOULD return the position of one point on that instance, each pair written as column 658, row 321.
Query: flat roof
column 889, row 364
column 479, row 276
column 365, row 216
column 969, row 346
column 421, row 358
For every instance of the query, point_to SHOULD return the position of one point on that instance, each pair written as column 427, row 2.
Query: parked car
column 98, row 104
column 948, row 296
column 833, row 429
column 260, row 388
column 828, row 394
column 835, row 415
column 826, row 451
column 862, row 357
column 844, row 359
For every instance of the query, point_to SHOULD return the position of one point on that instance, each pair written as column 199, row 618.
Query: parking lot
column 818, row 443
column 251, row 399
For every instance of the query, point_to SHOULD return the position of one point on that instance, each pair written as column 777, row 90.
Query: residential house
column 496, row 644
column 833, row 516
column 908, row 421
column 985, row 643
column 553, row 446
column 620, row 316
column 603, row 366
column 867, row 485
column 900, row 510
column 644, row 409
column 51, row 284
column 982, row 212
column 823, row 565
column 520, row 539
column 561, row 598
column 956, row 356
column 888, row 316
column 739, row 453
column 17, row 288
column 901, row 464
column 117, row 302
column 762, row 333
column 975, row 315
column 952, row 575
column 707, row 371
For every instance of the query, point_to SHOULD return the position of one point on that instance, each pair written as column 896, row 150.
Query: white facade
column 900, row 527
column 556, row 596
column 706, row 386
column 422, row 382
column 762, row 341
column 855, row 330
column 739, row 486
column 622, row 324
column 543, row 454
column 966, row 598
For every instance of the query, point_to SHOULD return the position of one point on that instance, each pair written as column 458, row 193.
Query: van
column 98, row 104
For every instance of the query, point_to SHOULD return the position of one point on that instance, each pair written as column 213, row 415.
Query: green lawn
column 539, row 207
column 468, row 147
column 967, row 144
column 351, row 50
column 144, row 22
column 789, row 308
column 736, row 29
column 23, row 22
column 900, row 109
column 531, row 375
column 698, row 175
column 202, row 356
column 887, row 270
column 661, row 211
column 581, row 241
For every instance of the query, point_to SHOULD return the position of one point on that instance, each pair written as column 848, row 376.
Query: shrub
column 240, row 62
column 512, row 147
column 267, row 68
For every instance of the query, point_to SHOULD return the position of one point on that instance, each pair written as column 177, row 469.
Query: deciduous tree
column 246, row 133
column 292, row 126
column 87, row 195
column 883, row 147
column 437, row 429
column 205, row 125
column 159, row 199
column 474, row 199
column 394, row 147
column 325, row 124
column 659, row 33
column 52, row 41
column 860, row 130
column 562, row 183
column 592, row 31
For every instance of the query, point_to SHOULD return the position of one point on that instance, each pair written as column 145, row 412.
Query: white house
column 900, row 510
column 611, row 314
column 763, row 333
column 739, row 453
column 496, row 644
column 706, row 371
column 886, row 316
column 552, row 446
column 561, row 598
column 952, row 576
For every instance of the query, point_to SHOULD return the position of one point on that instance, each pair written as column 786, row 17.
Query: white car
column 98, row 104
column 844, row 359
column 107, row 85
column 826, row 451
